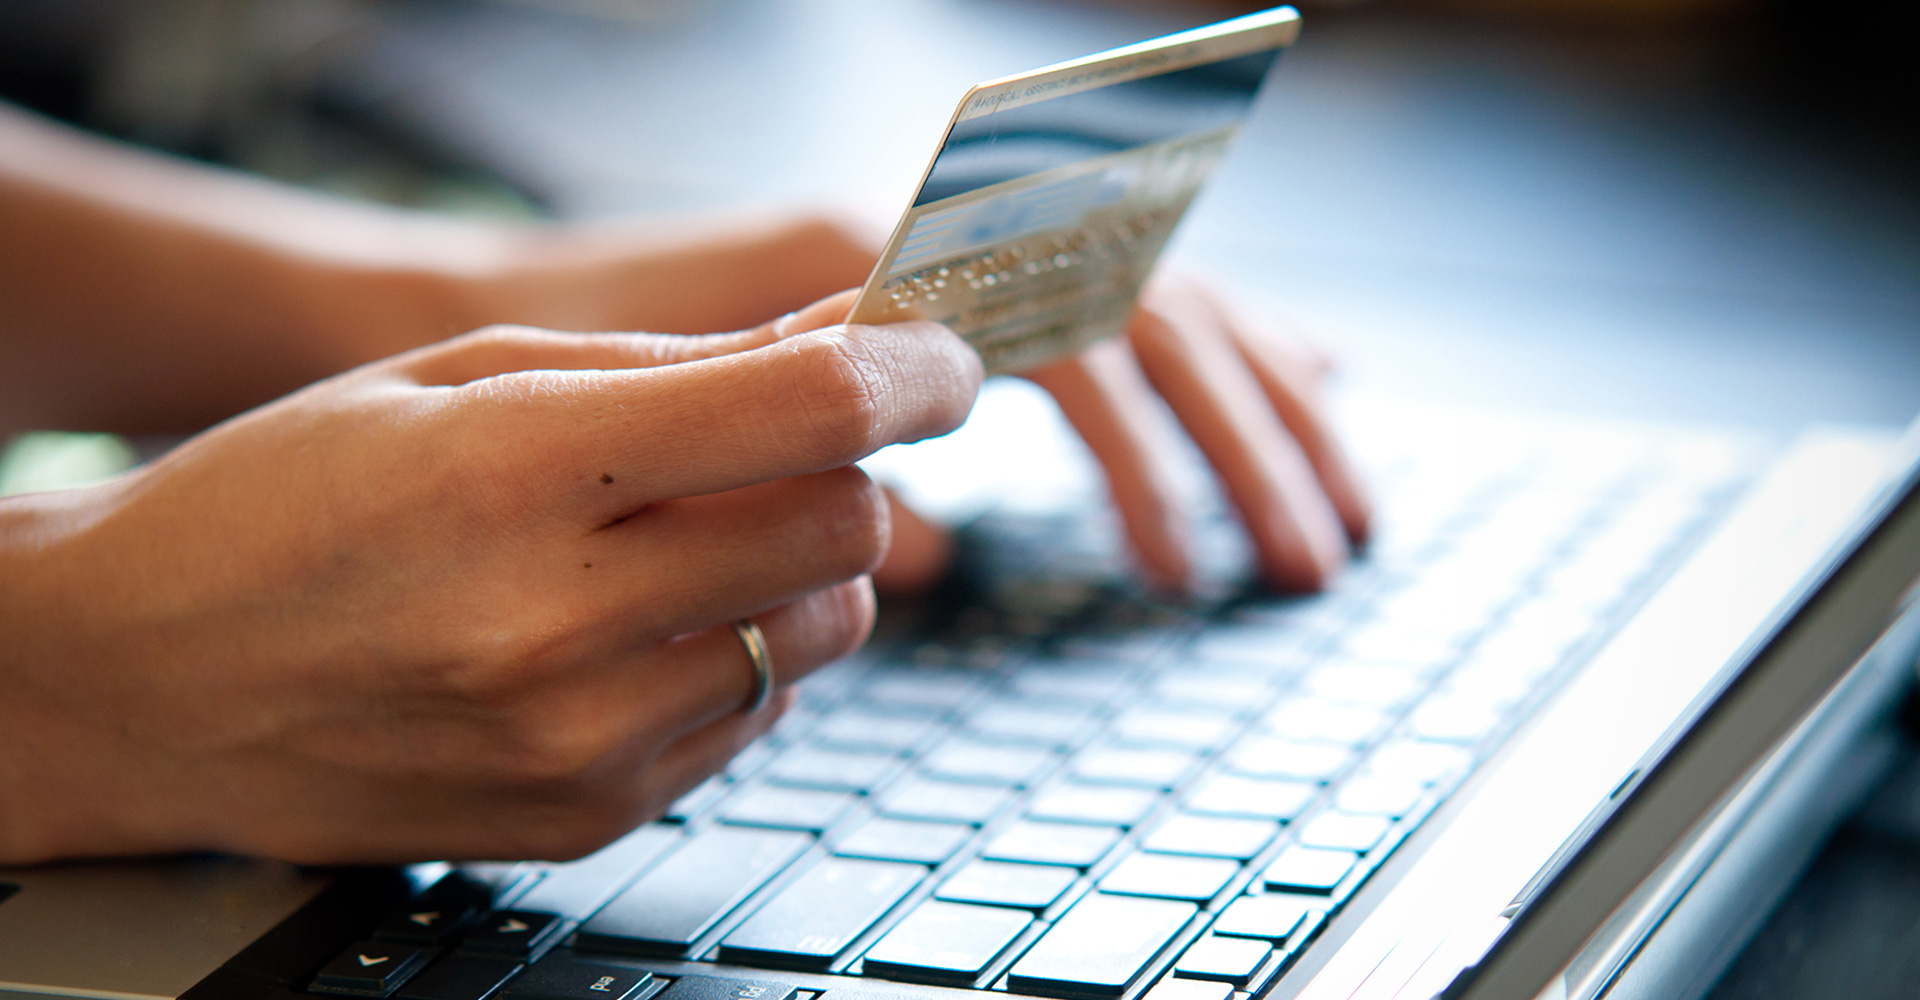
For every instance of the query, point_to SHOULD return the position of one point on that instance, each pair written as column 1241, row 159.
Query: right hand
column 470, row 601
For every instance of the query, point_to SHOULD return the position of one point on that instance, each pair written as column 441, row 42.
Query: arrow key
column 426, row 923
column 512, row 933
column 370, row 969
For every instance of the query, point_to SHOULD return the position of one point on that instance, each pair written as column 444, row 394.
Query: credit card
column 1054, row 191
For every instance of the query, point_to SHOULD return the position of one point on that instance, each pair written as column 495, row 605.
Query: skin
column 469, row 601
column 452, row 598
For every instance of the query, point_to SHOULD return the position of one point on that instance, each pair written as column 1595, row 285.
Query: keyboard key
column 987, row 764
column 1426, row 763
column 1308, row 870
column 1090, row 688
column 1188, row 989
column 747, row 761
column 794, row 725
column 1269, row 918
column 725, row 988
column 1267, row 757
column 460, row 977
column 1223, row 960
column 1052, row 844
column 512, row 933
column 924, row 689
column 820, row 913
column 561, row 976
column 577, row 888
column 428, row 925
column 1275, row 649
column 1190, row 730
column 1302, row 719
column 1455, row 720
column 699, row 799
column 1161, row 769
column 1169, row 876
column 1113, row 650
column 1057, row 727
column 1212, row 836
column 671, row 906
column 1106, row 806
column 1378, row 796
column 871, row 732
column 1231, row 795
column 786, row 808
column 1027, row 887
column 947, row 944
column 831, row 770
column 920, row 798
column 1235, row 693
column 1412, row 647
column 1345, row 831
column 371, row 968
column 904, row 840
column 1100, row 947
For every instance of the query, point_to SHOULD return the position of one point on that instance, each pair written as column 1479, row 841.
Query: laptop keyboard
column 1053, row 785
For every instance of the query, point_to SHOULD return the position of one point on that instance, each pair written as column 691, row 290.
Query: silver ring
column 756, row 643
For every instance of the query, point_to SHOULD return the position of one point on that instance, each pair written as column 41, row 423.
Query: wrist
column 70, row 786
column 354, row 312
column 694, row 277
column 36, row 609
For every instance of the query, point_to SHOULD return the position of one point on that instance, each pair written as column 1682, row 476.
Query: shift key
column 683, row 897
column 1100, row 947
column 820, row 914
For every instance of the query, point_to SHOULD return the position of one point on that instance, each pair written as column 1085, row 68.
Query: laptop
column 1568, row 728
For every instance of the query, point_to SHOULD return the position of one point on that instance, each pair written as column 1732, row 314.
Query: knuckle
column 499, row 661
column 841, row 396
column 561, row 752
column 846, row 618
column 492, row 336
column 856, row 519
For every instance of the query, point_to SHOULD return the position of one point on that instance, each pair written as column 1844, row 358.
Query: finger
column 918, row 551
column 596, row 444
column 496, row 350
column 829, row 311
column 1291, row 383
column 684, row 565
column 561, row 820
column 707, row 675
column 1109, row 402
column 1197, row 369
column 701, row 754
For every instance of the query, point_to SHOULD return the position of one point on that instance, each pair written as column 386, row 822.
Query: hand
column 1250, row 399
column 471, row 601
column 693, row 277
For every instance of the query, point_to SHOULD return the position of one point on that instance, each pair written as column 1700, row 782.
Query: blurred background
column 1702, row 210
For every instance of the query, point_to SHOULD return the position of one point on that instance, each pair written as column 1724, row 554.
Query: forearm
column 139, row 292
column 57, row 744
column 142, row 293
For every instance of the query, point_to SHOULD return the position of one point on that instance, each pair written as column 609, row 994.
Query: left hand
column 1247, row 394
column 1251, row 398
